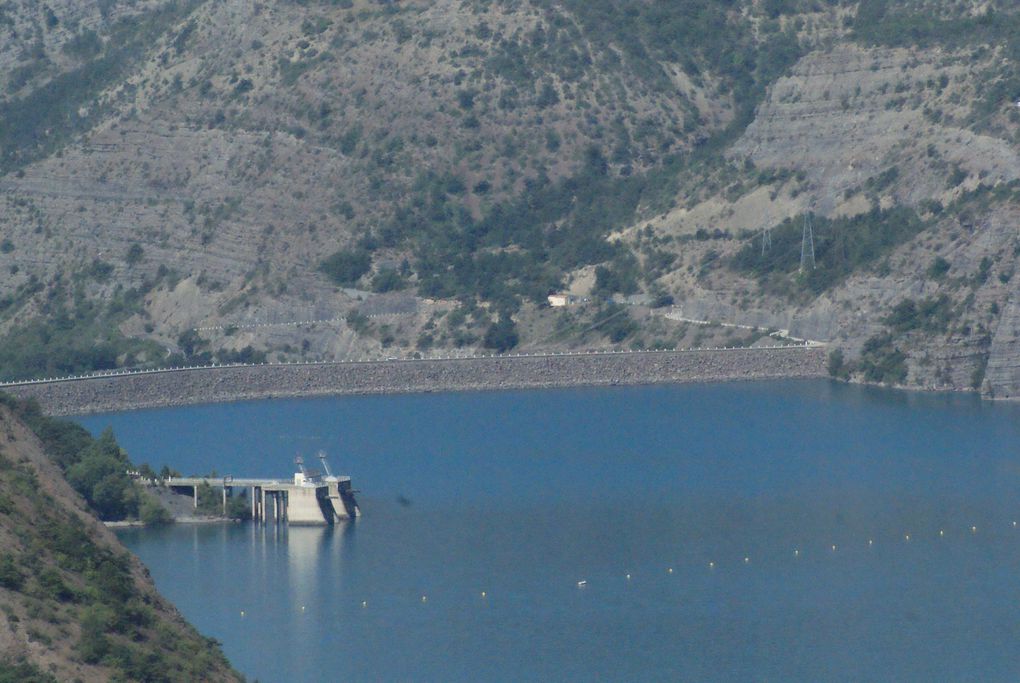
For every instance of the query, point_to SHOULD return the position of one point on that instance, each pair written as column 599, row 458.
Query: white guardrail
column 365, row 361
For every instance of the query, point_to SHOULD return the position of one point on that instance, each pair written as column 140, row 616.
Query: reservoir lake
column 796, row 530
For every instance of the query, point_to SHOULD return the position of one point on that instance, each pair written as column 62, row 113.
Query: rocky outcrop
column 847, row 114
column 208, row 385
column 1002, row 376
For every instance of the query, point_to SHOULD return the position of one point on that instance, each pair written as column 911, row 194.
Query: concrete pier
column 312, row 500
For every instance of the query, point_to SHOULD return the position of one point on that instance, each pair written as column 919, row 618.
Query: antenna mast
column 325, row 465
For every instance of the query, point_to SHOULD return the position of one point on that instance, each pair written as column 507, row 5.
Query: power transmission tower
column 807, row 245
column 766, row 239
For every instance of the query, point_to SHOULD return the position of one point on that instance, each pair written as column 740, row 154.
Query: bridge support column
column 224, row 501
column 194, row 494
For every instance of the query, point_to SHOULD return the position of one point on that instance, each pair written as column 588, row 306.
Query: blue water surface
column 770, row 531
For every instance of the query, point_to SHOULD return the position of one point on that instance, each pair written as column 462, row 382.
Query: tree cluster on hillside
column 97, row 468
column 79, row 596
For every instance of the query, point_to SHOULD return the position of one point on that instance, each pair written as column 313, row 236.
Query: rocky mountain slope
column 192, row 180
column 75, row 604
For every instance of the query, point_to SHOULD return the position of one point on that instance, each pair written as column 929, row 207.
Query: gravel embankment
column 233, row 383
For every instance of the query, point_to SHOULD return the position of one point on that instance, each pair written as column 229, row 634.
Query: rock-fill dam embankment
column 233, row 383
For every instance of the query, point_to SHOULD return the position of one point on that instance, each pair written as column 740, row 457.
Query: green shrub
column 837, row 365
column 23, row 672
column 502, row 335
column 882, row 362
column 357, row 321
column 938, row 268
column 135, row 254
column 346, row 267
column 93, row 643
column 932, row 314
column 238, row 507
column 53, row 586
column 152, row 513
column 11, row 577
column 388, row 280
column 614, row 321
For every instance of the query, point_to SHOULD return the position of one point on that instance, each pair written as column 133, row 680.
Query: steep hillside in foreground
column 419, row 176
column 74, row 604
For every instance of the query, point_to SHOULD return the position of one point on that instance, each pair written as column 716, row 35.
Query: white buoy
column 424, row 598
column 242, row 614
column 906, row 537
column 870, row 542
column 973, row 530
column 833, row 547
column 796, row 553
column 582, row 583
column 711, row 565
column 483, row 594
column 942, row 532
column 364, row 604
column 302, row 608
column 747, row 560
column 628, row 577
column 669, row 571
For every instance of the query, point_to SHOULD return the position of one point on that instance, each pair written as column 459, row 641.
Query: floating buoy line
column 740, row 560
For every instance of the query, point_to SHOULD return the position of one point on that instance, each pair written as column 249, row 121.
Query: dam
column 311, row 498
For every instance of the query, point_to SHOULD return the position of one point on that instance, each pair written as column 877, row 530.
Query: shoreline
column 139, row 524
column 172, row 388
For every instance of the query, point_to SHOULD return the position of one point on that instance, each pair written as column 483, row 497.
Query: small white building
column 559, row 300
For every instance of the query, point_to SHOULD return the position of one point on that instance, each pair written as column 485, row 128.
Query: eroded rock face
column 865, row 127
column 1002, row 376
column 850, row 113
